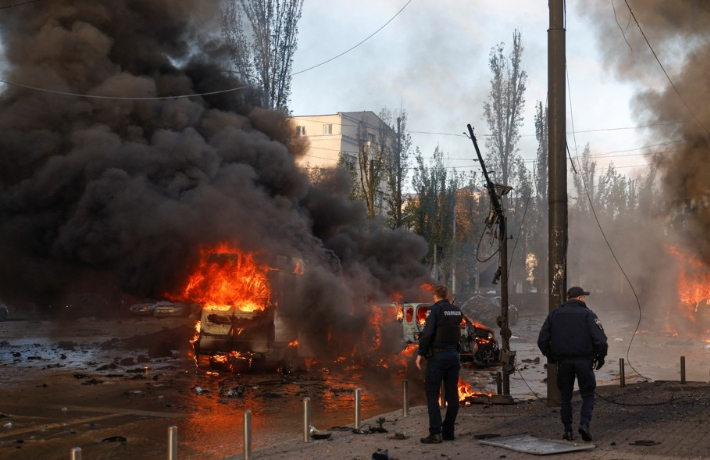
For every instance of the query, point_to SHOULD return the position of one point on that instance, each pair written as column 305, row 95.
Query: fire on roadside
column 467, row 394
column 693, row 286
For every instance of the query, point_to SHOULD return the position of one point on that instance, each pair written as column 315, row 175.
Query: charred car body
column 478, row 344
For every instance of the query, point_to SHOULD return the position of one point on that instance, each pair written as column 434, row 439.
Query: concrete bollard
column 172, row 443
column 682, row 369
column 357, row 408
column 405, row 398
column 247, row 435
column 306, row 419
column 76, row 453
column 622, row 376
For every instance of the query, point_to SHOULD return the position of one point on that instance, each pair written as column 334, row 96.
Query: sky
column 432, row 61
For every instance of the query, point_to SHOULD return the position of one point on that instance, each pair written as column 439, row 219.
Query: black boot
column 584, row 431
column 568, row 436
column 433, row 438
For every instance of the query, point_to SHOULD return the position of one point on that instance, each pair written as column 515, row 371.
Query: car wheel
column 487, row 356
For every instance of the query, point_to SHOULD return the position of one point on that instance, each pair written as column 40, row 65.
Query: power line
column 360, row 43
column 19, row 4
column 664, row 69
column 182, row 96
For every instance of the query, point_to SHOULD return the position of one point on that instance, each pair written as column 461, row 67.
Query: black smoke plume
column 122, row 193
column 671, row 99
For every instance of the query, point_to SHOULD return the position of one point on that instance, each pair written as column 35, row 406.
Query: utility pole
column 496, row 192
column 557, row 175
column 453, row 248
column 398, row 180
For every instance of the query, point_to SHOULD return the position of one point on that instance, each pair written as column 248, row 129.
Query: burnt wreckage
column 265, row 332
column 478, row 344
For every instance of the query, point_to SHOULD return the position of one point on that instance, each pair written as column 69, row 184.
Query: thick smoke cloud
column 677, row 31
column 124, row 193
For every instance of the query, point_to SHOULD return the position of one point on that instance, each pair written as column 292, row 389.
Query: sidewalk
column 674, row 417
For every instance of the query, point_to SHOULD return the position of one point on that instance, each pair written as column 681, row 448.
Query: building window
column 300, row 130
column 328, row 129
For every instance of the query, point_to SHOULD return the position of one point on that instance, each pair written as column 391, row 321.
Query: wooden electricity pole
column 557, row 174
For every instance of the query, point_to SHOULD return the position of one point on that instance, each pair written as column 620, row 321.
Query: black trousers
column 567, row 371
column 444, row 367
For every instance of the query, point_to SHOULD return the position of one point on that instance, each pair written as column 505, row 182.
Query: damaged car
column 478, row 344
column 142, row 308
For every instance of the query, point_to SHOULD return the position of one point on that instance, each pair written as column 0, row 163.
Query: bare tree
column 503, row 110
column 265, row 60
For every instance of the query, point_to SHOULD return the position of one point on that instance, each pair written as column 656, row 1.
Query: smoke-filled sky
column 677, row 104
column 432, row 61
column 99, row 193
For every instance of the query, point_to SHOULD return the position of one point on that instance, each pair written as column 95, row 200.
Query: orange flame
column 298, row 268
column 226, row 277
column 465, row 390
column 693, row 282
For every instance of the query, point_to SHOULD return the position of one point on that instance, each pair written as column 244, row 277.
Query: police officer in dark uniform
column 572, row 336
column 439, row 344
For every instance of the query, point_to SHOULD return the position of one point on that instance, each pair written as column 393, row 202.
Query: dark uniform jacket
column 572, row 331
column 442, row 330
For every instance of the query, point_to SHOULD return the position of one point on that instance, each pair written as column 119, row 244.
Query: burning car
column 239, row 298
column 478, row 342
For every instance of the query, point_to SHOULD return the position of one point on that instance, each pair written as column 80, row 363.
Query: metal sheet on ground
column 533, row 445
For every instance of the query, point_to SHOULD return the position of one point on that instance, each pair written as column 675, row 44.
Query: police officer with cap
column 439, row 343
column 573, row 338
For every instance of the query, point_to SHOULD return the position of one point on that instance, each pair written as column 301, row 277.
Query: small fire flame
column 298, row 268
column 465, row 390
column 693, row 283
column 198, row 327
column 225, row 278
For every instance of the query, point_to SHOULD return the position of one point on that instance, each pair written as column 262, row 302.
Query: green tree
column 503, row 109
column 432, row 211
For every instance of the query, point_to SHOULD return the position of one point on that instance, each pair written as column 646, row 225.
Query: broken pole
column 622, row 375
column 499, row 383
column 357, row 408
column 76, row 453
column 247, row 435
column 405, row 397
column 172, row 443
column 682, row 369
column 306, row 419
